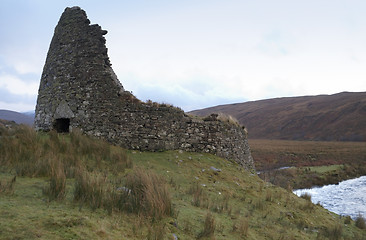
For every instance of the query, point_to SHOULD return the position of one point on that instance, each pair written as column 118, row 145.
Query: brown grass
column 241, row 226
column 228, row 119
column 28, row 153
column 199, row 196
column 7, row 187
column 209, row 227
column 306, row 196
column 156, row 231
column 91, row 189
column 333, row 232
column 221, row 204
column 148, row 194
column 57, row 188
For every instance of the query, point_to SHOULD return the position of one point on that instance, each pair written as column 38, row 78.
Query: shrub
column 209, row 227
column 360, row 222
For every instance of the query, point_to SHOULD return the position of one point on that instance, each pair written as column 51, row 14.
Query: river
column 346, row 198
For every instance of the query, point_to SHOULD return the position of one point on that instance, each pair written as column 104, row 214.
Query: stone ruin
column 79, row 90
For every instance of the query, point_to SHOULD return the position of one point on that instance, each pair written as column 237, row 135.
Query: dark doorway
column 62, row 125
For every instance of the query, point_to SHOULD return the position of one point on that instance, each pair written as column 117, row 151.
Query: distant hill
column 17, row 117
column 338, row 117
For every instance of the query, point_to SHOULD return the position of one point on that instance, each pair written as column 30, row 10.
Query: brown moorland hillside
column 17, row 117
column 337, row 117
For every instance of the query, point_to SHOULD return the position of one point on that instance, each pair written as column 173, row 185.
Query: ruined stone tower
column 78, row 83
column 79, row 89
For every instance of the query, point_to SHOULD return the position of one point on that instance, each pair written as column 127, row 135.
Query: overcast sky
column 198, row 53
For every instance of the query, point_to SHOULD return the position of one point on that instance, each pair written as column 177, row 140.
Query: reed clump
column 148, row 194
column 199, row 196
column 209, row 226
column 57, row 187
column 241, row 226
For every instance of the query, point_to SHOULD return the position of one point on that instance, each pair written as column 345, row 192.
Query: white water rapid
column 346, row 198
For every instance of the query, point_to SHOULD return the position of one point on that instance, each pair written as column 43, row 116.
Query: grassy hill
column 74, row 187
column 338, row 117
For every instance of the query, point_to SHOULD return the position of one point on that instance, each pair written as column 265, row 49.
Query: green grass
column 233, row 203
column 325, row 169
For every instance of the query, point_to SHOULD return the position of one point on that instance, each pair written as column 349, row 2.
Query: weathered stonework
column 79, row 89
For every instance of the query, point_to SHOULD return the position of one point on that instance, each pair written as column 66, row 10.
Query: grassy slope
column 315, row 163
column 235, row 198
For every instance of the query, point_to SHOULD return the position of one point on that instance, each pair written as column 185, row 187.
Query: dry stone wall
column 79, row 89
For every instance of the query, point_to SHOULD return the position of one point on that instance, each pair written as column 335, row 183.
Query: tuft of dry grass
column 269, row 196
column 148, row 194
column 306, row 196
column 228, row 119
column 199, row 197
column 221, row 204
column 120, row 161
column 91, row 188
column 57, row 188
column 143, row 193
column 156, row 231
column 259, row 204
column 7, row 187
column 241, row 226
column 209, row 226
column 333, row 232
